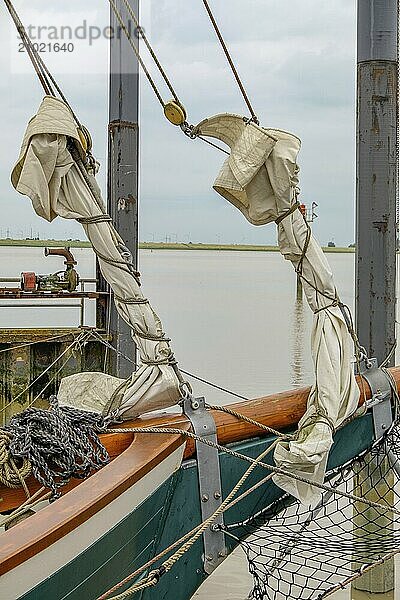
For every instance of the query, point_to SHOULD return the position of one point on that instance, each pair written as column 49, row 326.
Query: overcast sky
column 297, row 60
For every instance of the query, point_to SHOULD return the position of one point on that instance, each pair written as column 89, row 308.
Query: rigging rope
column 41, row 341
column 186, row 128
column 153, row 577
column 151, row 51
column 197, row 377
column 42, row 71
column 230, row 61
column 118, row 15
column 275, row 470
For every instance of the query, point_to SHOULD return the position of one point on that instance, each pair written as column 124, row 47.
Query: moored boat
column 106, row 526
column 162, row 515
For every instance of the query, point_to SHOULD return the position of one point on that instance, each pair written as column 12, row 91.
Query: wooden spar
column 280, row 411
column 138, row 458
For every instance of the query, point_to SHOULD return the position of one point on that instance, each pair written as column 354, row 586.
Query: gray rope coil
column 60, row 443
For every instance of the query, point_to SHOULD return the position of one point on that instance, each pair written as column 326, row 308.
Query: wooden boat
column 105, row 527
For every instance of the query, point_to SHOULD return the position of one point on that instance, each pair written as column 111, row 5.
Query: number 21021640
column 48, row 47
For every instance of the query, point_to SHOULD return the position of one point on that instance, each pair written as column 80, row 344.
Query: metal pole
column 377, row 171
column 123, row 164
column 376, row 204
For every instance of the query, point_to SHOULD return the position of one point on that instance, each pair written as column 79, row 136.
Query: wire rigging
column 230, row 61
column 173, row 109
column 45, row 76
column 177, row 103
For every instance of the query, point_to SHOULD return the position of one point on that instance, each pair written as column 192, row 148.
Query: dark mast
column 123, row 164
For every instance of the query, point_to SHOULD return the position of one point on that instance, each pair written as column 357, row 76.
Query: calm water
column 233, row 319
column 232, row 316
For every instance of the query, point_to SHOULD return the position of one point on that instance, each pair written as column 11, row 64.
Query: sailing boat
column 171, row 483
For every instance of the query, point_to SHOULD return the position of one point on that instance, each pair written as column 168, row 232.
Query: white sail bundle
column 260, row 178
column 47, row 173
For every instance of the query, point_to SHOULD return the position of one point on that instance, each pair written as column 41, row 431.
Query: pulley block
column 85, row 138
column 175, row 113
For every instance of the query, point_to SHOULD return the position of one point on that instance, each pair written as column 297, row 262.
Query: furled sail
column 59, row 185
column 260, row 178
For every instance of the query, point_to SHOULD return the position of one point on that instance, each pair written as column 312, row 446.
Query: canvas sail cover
column 49, row 175
column 260, row 178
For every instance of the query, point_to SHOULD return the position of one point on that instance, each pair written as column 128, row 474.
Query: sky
column 296, row 59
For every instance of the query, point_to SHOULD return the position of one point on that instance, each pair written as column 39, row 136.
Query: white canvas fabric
column 47, row 173
column 260, row 177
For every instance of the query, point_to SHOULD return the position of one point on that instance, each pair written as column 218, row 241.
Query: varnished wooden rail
column 134, row 457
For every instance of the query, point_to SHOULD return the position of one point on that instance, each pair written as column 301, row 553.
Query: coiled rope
column 59, row 443
column 11, row 475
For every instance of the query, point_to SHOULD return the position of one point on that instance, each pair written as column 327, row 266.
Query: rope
column 151, row 51
column 186, row 128
column 132, row 300
column 235, row 454
column 190, row 538
column 136, row 51
column 10, row 475
column 197, row 377
column 49, row 339
column 335, row 301
column 53, row 378
column 29, row 48
column 26, row 506
column 229, row 411
column 230, row 61
column 153, row 578
column 103, row 218
column 42, row 71
column 290, row 211
column 60, row 443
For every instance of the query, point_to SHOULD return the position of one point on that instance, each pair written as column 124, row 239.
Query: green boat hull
column 171, row 511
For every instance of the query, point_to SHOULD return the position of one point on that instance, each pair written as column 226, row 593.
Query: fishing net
column 305, row 553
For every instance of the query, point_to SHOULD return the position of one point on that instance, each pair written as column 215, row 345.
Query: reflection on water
column 358, row 595
column 298, row 342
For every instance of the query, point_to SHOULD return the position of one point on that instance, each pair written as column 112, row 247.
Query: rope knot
column 157, row 573
column 12, row 475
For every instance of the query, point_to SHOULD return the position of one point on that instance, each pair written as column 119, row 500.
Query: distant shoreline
column 161, row 246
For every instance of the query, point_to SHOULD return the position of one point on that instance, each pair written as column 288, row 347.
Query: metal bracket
column 381, row 391
column 209, row 480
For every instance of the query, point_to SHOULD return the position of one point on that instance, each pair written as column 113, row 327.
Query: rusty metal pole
column 123, row 164
column 377, row 172
column 376, row 207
